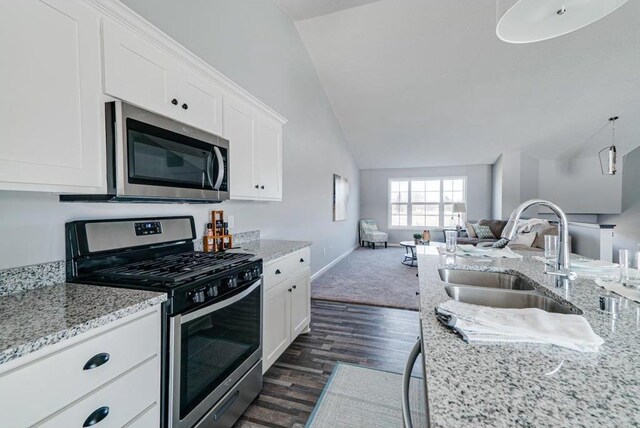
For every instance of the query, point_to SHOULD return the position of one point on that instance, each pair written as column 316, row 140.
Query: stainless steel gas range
column 212, row 331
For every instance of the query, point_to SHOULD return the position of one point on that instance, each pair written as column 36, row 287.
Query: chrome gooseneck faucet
column 563, row 263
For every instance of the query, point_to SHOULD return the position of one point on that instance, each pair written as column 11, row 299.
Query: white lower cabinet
column 109, row 375
column 287, row 305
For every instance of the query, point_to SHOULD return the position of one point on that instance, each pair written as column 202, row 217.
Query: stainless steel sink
column 506, row 299
column 483, row 279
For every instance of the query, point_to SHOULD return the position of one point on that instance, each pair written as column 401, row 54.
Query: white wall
column 578, row 186
column 515, row 179
column 627, row 231
column 496, row 189
column 256, row 45
column 375, row 199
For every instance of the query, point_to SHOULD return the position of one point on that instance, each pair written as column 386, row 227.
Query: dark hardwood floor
column 369, row 336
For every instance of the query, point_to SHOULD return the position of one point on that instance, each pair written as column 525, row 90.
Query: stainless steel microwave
column 151, row 158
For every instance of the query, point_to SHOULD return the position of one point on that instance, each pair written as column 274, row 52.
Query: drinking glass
column 451, row 240
column 551, row 247
column 625, row 259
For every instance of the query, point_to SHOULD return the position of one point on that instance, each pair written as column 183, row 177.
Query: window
column 421, row 202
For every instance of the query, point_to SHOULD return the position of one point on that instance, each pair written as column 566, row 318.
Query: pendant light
column 612, row 153
column 528, row 21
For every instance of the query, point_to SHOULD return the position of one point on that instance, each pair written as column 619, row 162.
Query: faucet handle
column 571, row 276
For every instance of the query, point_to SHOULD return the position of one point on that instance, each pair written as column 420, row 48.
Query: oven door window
column 163, row 158
column 216, row 344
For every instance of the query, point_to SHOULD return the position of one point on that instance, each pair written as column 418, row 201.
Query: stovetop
column 173, row 270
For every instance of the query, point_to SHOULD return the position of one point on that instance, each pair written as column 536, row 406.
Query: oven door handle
column 217, row 306
column 220, row 168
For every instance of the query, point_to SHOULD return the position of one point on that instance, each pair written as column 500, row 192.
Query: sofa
column 497, row 226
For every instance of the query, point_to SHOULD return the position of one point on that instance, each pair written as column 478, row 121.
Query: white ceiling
column 305, row 9
column 426, row 82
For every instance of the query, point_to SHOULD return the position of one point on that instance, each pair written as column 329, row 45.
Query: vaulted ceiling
column 427, row 82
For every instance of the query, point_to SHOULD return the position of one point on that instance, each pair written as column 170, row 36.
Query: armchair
column 370, row 234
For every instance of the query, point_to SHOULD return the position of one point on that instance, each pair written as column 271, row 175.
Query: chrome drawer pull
column 96, row 361
column 97, row 416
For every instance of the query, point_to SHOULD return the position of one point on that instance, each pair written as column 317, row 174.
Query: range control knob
column 212, row 291
column 229, row 282
column 198, row 296
column 247, row 275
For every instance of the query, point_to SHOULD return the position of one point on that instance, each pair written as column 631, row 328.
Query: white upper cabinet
column 51, row 112
column 63, row 59
column 255, row 145
column 200, row 101
column 269, row 149
column 240, row 129
column 137, row 71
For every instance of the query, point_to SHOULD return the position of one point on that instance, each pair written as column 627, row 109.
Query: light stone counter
column 270, row 249
column 529, row 385
column 40, row 317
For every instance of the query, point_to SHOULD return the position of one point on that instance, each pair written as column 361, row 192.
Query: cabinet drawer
column 149, row 419
column 120, row 401
column 278, row 270
column 24, row 401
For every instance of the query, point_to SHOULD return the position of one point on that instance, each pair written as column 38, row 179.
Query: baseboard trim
column 333, row 263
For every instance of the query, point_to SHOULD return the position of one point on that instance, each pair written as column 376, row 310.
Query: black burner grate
column 174, row 268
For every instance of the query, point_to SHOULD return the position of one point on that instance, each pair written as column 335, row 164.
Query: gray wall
column 375, row 199
column 255, row 44
column 627, row 231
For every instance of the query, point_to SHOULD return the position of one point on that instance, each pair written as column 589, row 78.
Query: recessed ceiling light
column 528, row 21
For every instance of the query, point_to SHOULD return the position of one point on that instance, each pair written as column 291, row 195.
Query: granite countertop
column 40, row 317
column 529, row 385
column 270, row 249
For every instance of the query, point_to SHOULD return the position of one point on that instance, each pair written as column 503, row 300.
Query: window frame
column 441, row 204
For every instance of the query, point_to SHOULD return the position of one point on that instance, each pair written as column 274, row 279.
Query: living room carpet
column 371, row 277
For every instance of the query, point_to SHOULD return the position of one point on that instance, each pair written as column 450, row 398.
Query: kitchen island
column 473, row 385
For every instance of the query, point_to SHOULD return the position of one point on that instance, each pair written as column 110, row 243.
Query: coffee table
column 410, row 255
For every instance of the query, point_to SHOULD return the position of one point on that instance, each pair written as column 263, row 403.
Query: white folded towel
column 484, row 324
column 468, row 250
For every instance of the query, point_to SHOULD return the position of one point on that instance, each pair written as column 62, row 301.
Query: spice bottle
column 208, row 242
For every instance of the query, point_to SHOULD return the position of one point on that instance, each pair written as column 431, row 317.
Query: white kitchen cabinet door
column 277, row 323
column 300, row 302
column 240, row 129
column 200, row 101
column 269, row 149
column 51, row 114
column 138, row 72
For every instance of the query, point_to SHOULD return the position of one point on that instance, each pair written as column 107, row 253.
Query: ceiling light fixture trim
column 529, row 21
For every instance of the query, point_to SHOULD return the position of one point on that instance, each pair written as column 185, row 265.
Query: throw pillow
column 470, row 231
column 523, row 239
column 483, row 232
column 501, row 243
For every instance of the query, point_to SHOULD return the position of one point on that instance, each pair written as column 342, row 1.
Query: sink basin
column 506, row 299
column 483, row 279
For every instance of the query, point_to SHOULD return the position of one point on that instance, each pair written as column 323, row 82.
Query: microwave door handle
column 220, row 168
column 208, row 171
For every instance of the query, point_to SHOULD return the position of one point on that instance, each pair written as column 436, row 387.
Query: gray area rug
column 371, row 277
column 357, row 396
